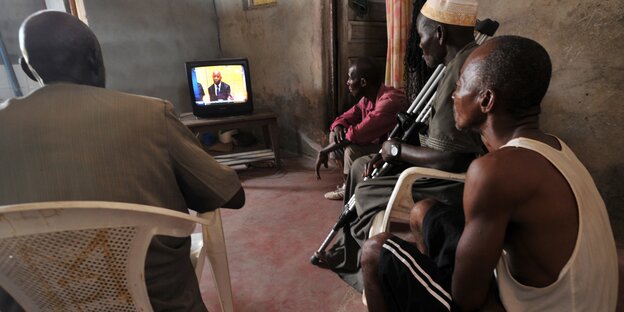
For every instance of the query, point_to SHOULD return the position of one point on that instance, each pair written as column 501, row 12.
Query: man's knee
column 352, row 153
column 356, row 172
column 359, row 165
column 372, row 249
column 358, row 193
column 418, row 212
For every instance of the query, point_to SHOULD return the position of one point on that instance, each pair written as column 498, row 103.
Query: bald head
column 367, row 68
column 58, row 47
column 216, row 77
column 516, row 69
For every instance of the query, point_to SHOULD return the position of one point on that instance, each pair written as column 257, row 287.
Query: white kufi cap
column 452, row 12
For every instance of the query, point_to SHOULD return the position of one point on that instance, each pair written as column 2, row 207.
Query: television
column 220, row 87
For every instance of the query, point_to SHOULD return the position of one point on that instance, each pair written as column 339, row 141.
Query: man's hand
column 339, row 134
column 373, row 164
column 322, row 158
column 391, row 150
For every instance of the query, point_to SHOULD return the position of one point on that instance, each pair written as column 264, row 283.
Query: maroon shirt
column 369, row 122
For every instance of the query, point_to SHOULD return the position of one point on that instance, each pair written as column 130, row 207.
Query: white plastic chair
column 88, row 255
column 401, row 201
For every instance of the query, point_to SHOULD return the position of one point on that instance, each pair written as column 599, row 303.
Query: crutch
column 485, row 29
column 348, row 213
column 424, row 93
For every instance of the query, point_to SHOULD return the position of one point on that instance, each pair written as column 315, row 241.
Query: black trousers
column 412, row 281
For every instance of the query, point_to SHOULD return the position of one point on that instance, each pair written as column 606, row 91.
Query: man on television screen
column 199, row 91
column 219, row 91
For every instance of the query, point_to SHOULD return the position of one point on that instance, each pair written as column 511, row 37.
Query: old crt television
column 220, row 87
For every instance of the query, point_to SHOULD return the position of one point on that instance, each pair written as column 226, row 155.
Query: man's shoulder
column 385, row 89
column 146, row 98
column 77, row 90
column 506, row 169
column 496, row 182
column 501, row 159
column 456, row 63
column 391, row 94
column 126, row 97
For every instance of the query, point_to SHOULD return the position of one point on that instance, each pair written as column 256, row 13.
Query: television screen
column 219, row 87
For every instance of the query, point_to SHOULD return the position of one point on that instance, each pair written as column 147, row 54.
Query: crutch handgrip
column 487, row 27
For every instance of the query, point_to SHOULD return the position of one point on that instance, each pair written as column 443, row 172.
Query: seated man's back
column 74, row 140
column 68, row 141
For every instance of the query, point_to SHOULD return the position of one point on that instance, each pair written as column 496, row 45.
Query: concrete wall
column 12, row 14
column 583, row 106
column 284, row 46
column 146, row 42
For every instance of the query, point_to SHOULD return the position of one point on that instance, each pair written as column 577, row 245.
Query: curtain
column 398, row 19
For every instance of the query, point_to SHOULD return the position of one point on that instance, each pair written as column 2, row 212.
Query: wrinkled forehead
column 423, row 24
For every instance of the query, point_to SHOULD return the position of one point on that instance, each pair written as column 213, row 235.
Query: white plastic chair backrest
column 82, row 255
column 402, row 193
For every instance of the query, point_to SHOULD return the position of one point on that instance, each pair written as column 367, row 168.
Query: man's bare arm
column 487, row 211
column 322, row 158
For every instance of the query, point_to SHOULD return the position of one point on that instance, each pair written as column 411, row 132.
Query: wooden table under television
column 264, row 118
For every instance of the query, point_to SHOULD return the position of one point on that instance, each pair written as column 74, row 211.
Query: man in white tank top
column 529, row 198
column 532, row 212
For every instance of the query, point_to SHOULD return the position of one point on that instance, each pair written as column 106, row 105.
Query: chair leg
column 214, row 243
column 198, row 253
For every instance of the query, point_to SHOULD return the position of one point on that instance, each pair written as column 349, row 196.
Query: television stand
column 264, row 118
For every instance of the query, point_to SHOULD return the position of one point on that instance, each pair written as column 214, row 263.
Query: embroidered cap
column 452, row 12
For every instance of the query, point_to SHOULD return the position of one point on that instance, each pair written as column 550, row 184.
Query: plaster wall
column 284, row 45
column 12, row 14
column 146, row 42
column 583, row 105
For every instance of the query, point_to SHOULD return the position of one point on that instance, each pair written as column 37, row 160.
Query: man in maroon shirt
column 362, row 129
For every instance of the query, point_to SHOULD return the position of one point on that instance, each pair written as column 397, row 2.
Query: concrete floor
column 270, row 240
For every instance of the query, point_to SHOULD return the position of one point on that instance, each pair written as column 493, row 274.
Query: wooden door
column 359, row 34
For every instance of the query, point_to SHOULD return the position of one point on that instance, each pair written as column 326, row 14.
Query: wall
column 12, row 14
column 583, row 106
column 284, row 46
column 146, row 42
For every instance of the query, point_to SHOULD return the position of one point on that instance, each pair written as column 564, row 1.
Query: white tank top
column 589, row 280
